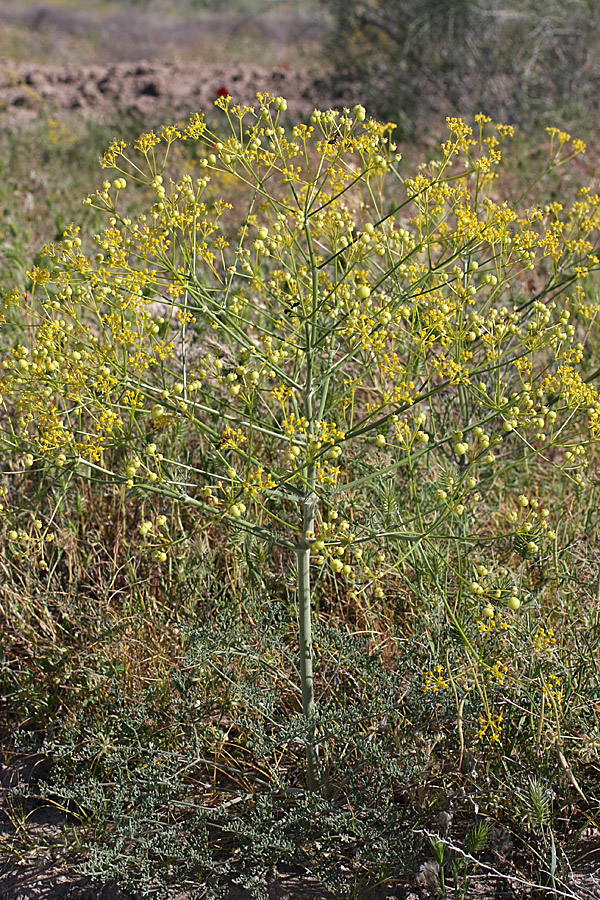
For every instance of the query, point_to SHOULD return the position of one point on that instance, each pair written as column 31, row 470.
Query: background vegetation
column 518, row 62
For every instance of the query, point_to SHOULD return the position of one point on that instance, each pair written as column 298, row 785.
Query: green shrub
column 381, row 380
column 518, row 62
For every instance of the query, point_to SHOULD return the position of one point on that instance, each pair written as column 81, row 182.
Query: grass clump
column 358, row 395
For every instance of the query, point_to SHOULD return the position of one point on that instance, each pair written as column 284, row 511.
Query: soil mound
column 152, row 90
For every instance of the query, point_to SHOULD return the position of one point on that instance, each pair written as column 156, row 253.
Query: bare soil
column 150, row 90
column 101, row 59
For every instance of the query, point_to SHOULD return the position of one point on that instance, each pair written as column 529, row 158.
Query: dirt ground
column 149, row 89
column 102, row 59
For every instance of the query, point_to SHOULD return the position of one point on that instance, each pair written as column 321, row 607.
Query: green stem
column 305, row 640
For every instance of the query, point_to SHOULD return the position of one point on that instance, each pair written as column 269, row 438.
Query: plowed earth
column 149, row 89
column 153, row 62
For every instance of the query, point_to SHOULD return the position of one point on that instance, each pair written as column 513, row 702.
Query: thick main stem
column 308, row 529
column 306, row 647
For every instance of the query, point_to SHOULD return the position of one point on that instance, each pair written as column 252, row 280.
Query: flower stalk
column 305, row 632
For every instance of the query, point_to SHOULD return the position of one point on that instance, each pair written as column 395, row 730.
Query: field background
column 95, row 676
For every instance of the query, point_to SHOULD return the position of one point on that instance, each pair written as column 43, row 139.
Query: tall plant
column 344, row 364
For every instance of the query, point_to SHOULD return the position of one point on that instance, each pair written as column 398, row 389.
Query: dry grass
column 265, row 33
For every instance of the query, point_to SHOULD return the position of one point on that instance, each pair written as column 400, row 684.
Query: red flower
column 222, row 91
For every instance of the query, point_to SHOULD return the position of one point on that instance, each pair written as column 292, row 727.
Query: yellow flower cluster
column 334, row 320
column 490, row 727
column 434, row 681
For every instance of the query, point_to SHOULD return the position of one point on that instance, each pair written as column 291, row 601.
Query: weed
column 327, row 406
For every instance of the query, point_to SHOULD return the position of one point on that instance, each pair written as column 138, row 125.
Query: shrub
column 380, row 379
column 520, row 62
